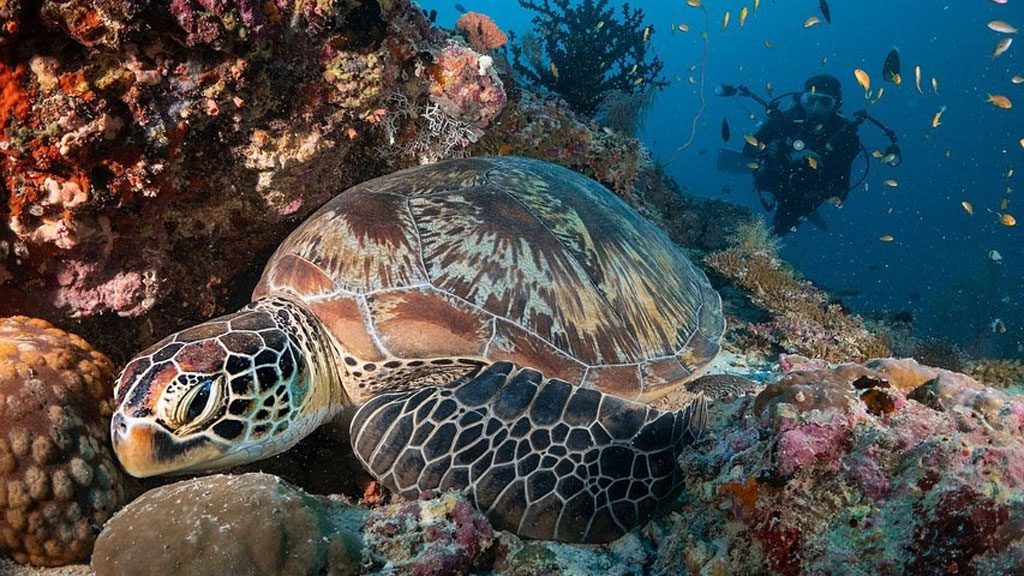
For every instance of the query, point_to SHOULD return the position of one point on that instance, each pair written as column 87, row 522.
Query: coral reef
column 583, row 50
column 437, row 535
column 844, row 468
column 248, row 524
column 995, row 372
column 58, row 479
column 798, row 316
column 132, row 131
column 481, row 32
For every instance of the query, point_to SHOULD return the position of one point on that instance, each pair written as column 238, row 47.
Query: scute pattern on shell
column 532, row 247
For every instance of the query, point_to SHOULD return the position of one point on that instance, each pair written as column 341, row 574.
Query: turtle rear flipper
column 541, row 458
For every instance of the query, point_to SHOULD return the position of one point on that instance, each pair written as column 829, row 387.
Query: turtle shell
column 502, row 259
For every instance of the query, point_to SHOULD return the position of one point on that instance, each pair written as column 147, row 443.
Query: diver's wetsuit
column 785, row 172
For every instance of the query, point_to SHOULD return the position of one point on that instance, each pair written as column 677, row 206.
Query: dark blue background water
column 938, row 264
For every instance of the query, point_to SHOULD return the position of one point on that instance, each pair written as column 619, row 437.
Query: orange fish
column 886, row 238
column 968, row 207
column 1007, row 220
column 999, row 101
column 863, row 79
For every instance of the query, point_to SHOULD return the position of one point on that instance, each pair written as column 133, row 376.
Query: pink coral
column 466, row 87
column 483, row 34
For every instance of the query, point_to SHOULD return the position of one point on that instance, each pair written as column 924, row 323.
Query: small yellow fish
column 647, row 32
column 752, row 141
column 897, row 79
column 876, row 154
column 1001, row 47
column 1017, row 79
column 1022, row 142
column 888, row 159
column 633, row 69
column 917, row 79
column 968, row 207
column 886, row 238
column 599, row 25
column 880, row 92
column 811, row 21
column 1004, row 203
column 554, row 70
column 753, row 165
column 743, row 16
column 684, row 28
column 891, row 183
column 639, row 80
column 938, row 116
column 757, row 4
column 768, row 44
column 1007, row 220
column 935, row 85
column 693, row 3
column 812, row 162
column 1002, row 27
column 999, row 101
column 725, row 20
column 863, row 79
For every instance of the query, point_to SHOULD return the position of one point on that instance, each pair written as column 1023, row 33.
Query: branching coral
column 995, row 372
column 583, row 50
column 800, row 317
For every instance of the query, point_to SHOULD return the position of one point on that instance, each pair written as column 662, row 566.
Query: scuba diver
column 803, row 155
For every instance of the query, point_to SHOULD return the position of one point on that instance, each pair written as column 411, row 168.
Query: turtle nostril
column 118, row 427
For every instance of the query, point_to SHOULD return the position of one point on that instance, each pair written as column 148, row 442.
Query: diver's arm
column 841, row 164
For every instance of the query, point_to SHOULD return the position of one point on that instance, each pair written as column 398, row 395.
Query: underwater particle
column 995, row 256
column 863, row 79
column 886, row 238
column 999, row 101
column 1001, row 47
column 936, row 120
column 968, row 207
column 891, row 183
column 1002, row 27
column 1007, row 220
column 811, row 21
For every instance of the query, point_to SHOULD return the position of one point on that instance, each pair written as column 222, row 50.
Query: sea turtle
column 499, row 324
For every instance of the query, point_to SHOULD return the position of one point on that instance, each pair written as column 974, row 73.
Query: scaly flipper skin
column 541, row 458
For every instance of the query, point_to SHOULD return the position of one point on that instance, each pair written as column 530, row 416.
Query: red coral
column 13, row 97
column 483, row 34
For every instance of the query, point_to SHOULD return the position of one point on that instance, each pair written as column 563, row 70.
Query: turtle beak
column 145, row 449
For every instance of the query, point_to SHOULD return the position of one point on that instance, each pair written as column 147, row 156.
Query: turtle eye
column 198, row 405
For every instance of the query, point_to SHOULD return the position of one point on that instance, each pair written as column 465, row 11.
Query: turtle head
column 226, row 392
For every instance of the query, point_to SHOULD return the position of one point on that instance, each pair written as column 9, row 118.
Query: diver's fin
column 819, row 222
column 538, row 456
column 733, row 162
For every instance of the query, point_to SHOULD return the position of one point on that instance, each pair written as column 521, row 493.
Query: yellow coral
column 998, row 373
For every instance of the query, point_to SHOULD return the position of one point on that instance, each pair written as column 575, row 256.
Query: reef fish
column 812, row 21
column 863, row 79
column 1003, row 27
column 825, row 10
column 1001, row 47
column 1007, row 220
column 937, row 119
column 743, row 16
column 917, row 79
column 891, row 67
column 461, row 9
column 725, row 130
column 968, row 207
column 999, row 101
column 886, row 238
column 1017, row 79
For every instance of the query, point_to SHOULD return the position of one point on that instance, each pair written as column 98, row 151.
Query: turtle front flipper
column 541, row 458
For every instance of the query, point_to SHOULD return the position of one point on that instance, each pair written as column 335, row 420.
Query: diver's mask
column 817, row 105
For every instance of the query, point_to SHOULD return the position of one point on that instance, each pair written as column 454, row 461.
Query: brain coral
column 58, row 480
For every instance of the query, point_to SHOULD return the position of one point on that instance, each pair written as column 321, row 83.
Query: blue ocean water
column 938, row 264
